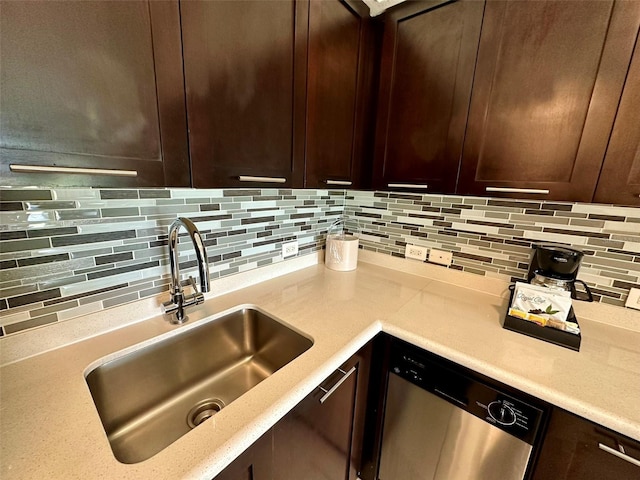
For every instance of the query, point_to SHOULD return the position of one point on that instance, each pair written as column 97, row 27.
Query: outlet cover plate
column 633, row 300
column 440, row 257
column 416, row 252
column 289, row 249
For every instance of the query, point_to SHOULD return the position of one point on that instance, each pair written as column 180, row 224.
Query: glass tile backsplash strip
column 69, row 252
column 494, row 237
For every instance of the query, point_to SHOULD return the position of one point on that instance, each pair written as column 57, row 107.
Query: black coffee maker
column 556, row 267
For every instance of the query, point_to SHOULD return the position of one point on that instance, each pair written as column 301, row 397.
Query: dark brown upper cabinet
column 620, row 177
column 339, row 90
column 92, row 85
column 428, row 58
column 245, row 77
column 548, row 81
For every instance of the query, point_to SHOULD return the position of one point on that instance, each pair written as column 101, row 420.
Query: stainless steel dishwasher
column 444, row 422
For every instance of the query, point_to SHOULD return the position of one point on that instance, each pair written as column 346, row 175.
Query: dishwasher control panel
column 457, row 385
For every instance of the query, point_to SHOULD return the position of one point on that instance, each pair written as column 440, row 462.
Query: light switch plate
column 633, row 301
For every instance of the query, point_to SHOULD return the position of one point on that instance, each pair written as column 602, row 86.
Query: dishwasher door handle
column 618, row 454
column 345, row 376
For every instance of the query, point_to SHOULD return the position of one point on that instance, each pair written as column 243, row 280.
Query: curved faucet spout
column 178, row 299
column 201, row 253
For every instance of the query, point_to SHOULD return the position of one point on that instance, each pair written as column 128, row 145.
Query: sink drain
column 204, row 410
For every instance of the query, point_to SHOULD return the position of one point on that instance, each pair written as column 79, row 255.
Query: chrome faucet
column 179, row 301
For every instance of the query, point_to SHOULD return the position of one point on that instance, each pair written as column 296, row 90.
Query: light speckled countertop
column 49, row 427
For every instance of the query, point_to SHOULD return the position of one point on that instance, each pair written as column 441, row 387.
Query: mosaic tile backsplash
column 69, row 252
column 494, row 237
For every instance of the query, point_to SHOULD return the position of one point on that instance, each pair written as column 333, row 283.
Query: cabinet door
column 314, row 441
column 547, row 85
column 619, row 180
column 245, row 69
column 428, row 57
column 254, row 464
column 576, row 449
column 339, row 82
column 92, row 85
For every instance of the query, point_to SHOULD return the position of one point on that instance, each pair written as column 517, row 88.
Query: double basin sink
column 150, row 397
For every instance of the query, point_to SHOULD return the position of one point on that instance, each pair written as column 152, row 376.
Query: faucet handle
column 192, row 282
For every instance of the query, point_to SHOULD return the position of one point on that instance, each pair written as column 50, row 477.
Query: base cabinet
column 576, row 449
column 254, row 464
column 321, row 438
column 314, row 440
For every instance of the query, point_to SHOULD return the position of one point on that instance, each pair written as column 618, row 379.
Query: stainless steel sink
column 149, row 398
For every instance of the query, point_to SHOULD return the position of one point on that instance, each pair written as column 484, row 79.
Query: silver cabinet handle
column 85, row 171
column 338, row 182
column 618, row 454
column 408, row 185
column 517, row 190
column 249, row 178
column 328, row 393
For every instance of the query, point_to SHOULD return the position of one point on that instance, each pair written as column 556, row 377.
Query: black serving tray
column 548, row 334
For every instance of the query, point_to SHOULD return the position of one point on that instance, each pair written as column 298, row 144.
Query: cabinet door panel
column 427, row 71
column 83, row 85
column 572, row 450
column 314, row 440
column 619, row 180
column 254, row 464
column 548, row 79
column 338, row 82
column 240, row 61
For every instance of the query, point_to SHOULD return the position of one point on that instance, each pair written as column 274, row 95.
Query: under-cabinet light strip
column 248, row 178
column 76, row 170
column 517, row 190
column 407, row 185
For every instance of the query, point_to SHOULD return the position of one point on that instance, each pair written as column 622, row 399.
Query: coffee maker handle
column 574, row 292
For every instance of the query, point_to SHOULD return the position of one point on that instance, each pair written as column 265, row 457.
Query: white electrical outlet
column 633, row 301
column 289, row 249
column 415, row 252
column 440, row 257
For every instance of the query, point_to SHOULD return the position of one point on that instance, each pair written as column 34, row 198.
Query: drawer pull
column 84, row 171
column 328, row 393
column 618, row 454
column 338, row 182
column 408, row 185
column 517, row 190
column 249, row 178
